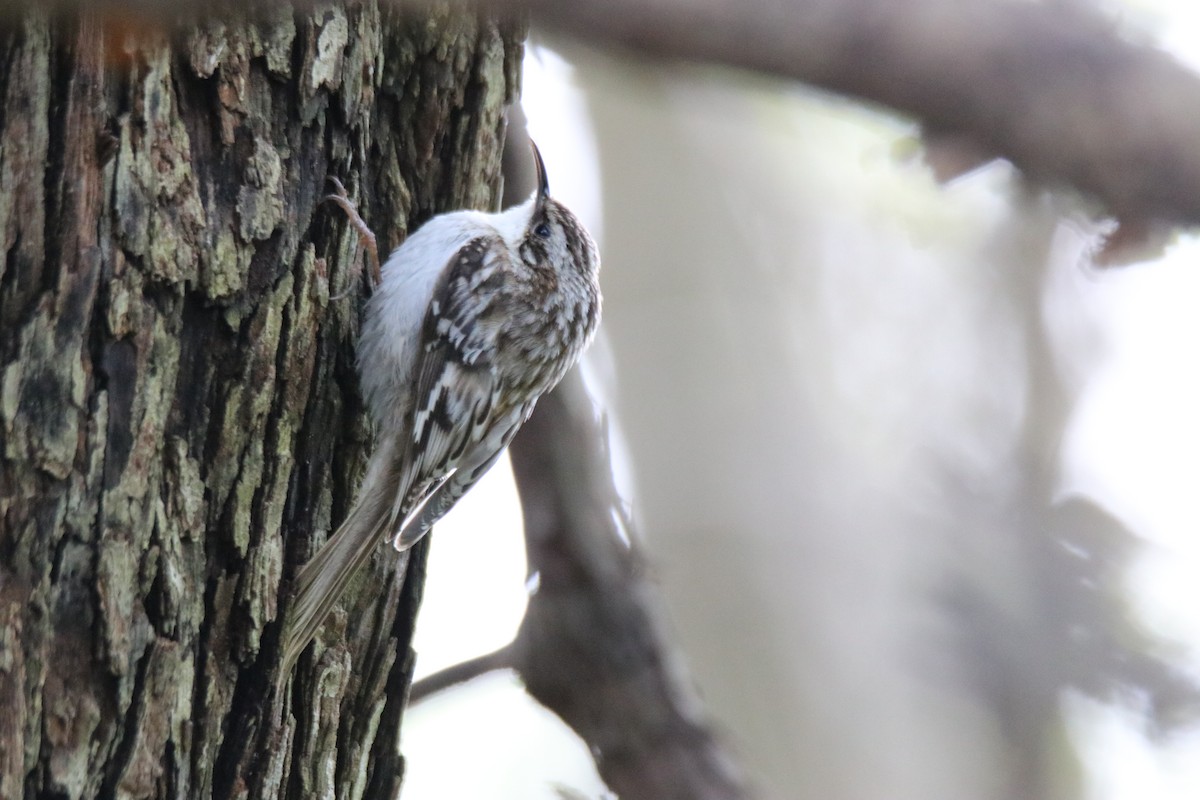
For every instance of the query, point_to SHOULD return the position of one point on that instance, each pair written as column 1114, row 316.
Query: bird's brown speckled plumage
column 477, row 315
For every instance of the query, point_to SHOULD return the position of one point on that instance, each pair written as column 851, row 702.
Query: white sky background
column 1134, row 442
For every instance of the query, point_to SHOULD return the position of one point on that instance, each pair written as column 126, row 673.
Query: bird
column 475, row 316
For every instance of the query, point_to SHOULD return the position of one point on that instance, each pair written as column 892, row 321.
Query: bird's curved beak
column 543, row 183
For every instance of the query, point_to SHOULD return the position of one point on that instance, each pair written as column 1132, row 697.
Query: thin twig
column 460, row 673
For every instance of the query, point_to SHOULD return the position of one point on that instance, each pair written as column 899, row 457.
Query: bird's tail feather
column 324, row 579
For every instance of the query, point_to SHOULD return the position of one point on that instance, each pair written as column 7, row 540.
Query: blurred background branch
column 1054, row 87
column 591, row 646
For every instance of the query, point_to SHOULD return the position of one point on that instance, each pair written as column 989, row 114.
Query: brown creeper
column 476, row 316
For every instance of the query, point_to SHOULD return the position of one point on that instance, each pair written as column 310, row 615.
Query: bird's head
column 552, row 235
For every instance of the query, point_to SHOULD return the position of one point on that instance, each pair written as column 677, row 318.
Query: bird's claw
column 366, row 236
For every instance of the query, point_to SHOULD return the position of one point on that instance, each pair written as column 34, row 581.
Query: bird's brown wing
column 457, row 395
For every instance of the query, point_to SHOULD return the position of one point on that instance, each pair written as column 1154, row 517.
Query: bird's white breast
column 391, row 335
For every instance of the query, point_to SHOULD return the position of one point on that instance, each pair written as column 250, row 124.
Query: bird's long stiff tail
column 323, row 580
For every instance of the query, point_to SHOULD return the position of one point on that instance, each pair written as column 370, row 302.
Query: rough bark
column 178, row 404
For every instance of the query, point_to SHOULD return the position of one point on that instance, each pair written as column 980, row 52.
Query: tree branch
column 591, row 647
column 460, row 673
column 1051, row 86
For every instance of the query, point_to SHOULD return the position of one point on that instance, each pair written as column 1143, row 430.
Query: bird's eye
column 542, row 230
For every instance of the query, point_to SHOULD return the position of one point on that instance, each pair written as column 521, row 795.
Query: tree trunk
column 179, row 412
